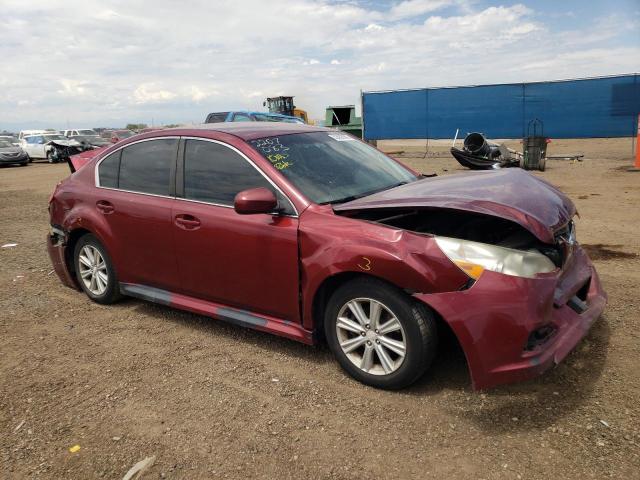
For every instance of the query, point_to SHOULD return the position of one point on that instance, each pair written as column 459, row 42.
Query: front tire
column 378, row 334
column 95, row 271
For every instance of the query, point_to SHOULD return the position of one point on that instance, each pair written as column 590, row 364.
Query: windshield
column 262, row 117
column 332, row 167
column 88, row 133
column 5, row 143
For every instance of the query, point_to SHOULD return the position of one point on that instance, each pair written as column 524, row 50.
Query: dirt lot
column 211, row 400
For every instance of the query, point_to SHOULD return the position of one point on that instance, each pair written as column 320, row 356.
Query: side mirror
column 255, row 200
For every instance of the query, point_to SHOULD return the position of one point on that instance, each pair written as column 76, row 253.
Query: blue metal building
column 581, row 108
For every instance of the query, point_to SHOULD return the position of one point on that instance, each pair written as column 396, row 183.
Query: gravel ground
column 210, row 400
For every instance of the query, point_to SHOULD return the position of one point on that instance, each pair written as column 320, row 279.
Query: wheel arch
column 72, row 240
column 324, row 291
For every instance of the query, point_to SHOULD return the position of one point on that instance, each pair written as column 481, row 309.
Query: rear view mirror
column 255, row 200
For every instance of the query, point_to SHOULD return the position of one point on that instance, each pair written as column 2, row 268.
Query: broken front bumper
column 514, row 328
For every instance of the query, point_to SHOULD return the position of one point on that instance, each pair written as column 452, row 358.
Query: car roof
column 243, row 130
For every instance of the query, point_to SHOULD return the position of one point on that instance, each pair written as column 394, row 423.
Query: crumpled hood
column 511, row 193
column 65, row 143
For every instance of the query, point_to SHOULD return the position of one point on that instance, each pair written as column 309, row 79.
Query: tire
column 49, row 156
column 417, row 334
column 104, row 292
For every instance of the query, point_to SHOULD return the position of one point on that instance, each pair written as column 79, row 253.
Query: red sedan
column 311, row 234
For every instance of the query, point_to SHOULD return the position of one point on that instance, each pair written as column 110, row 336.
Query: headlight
column 474, row 257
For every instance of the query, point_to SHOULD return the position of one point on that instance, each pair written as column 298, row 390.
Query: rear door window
column 146, row 166
column 108, row 170
column 215, row 173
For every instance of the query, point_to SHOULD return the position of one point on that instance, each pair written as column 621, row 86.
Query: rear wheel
column 378, row 334
column 95, row 271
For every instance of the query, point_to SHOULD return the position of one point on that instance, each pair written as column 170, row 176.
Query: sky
column 96, row 63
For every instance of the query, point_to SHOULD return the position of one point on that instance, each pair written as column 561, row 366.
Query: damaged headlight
column 474, row 257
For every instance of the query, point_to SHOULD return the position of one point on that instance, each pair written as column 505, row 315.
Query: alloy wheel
column 371, row 336
column 93, row 270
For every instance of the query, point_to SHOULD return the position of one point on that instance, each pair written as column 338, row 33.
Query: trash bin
column 534, row 147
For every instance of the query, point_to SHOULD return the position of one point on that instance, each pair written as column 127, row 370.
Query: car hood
column 512, row 194
column 10, row 150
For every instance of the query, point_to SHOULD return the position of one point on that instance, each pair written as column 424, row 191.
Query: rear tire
column 388, row 341
column 94, row 270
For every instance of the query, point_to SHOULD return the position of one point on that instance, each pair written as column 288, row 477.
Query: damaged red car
column 311, row 234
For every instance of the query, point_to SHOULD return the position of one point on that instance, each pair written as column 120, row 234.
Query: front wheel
column 95, row 271
column 378, row 334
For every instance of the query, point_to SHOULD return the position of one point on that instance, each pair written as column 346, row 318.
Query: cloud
column 414, row 8
column 110, row 62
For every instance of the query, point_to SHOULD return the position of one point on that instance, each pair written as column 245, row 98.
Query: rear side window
column 215, row 173
column 108, row 170
column 146, row 166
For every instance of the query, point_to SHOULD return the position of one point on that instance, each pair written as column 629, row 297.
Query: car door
column 35, row 146
column 135, row 195
column 245, row 261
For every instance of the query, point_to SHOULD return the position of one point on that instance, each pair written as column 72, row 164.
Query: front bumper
column 14, row 160
column 495, row 318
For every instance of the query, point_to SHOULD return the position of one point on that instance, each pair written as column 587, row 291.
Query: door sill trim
column 243, row 318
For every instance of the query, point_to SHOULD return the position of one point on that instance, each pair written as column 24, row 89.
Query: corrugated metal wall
column 593, row 107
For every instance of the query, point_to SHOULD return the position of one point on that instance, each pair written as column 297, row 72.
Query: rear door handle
column 187, row 222
column 105, row 207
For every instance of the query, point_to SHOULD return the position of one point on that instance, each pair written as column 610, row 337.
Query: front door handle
column 105, row 207
column 187, row 222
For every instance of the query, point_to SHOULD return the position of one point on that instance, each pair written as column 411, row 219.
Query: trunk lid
column 76, row 162
column 512, row 194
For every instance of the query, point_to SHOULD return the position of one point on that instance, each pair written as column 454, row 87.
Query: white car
column 42, row 146
column 27, row 133
column 83, row 132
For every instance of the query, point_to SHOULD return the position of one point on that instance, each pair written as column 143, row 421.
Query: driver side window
column 214, row 173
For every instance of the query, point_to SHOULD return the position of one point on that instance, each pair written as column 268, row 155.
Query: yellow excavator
column 284, row 106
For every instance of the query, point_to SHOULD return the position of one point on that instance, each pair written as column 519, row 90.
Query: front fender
column 332, row 244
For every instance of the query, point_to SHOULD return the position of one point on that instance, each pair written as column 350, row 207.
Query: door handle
column 105, row 207
column 187, row 222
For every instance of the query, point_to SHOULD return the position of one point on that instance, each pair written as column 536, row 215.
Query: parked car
column 246, row 116
column 309, row 233
column 12, row 139
column 50, row 146
column 26, row 133
column 117, row 135
column 11, row 155
column 84, row 132
column 91, row 141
